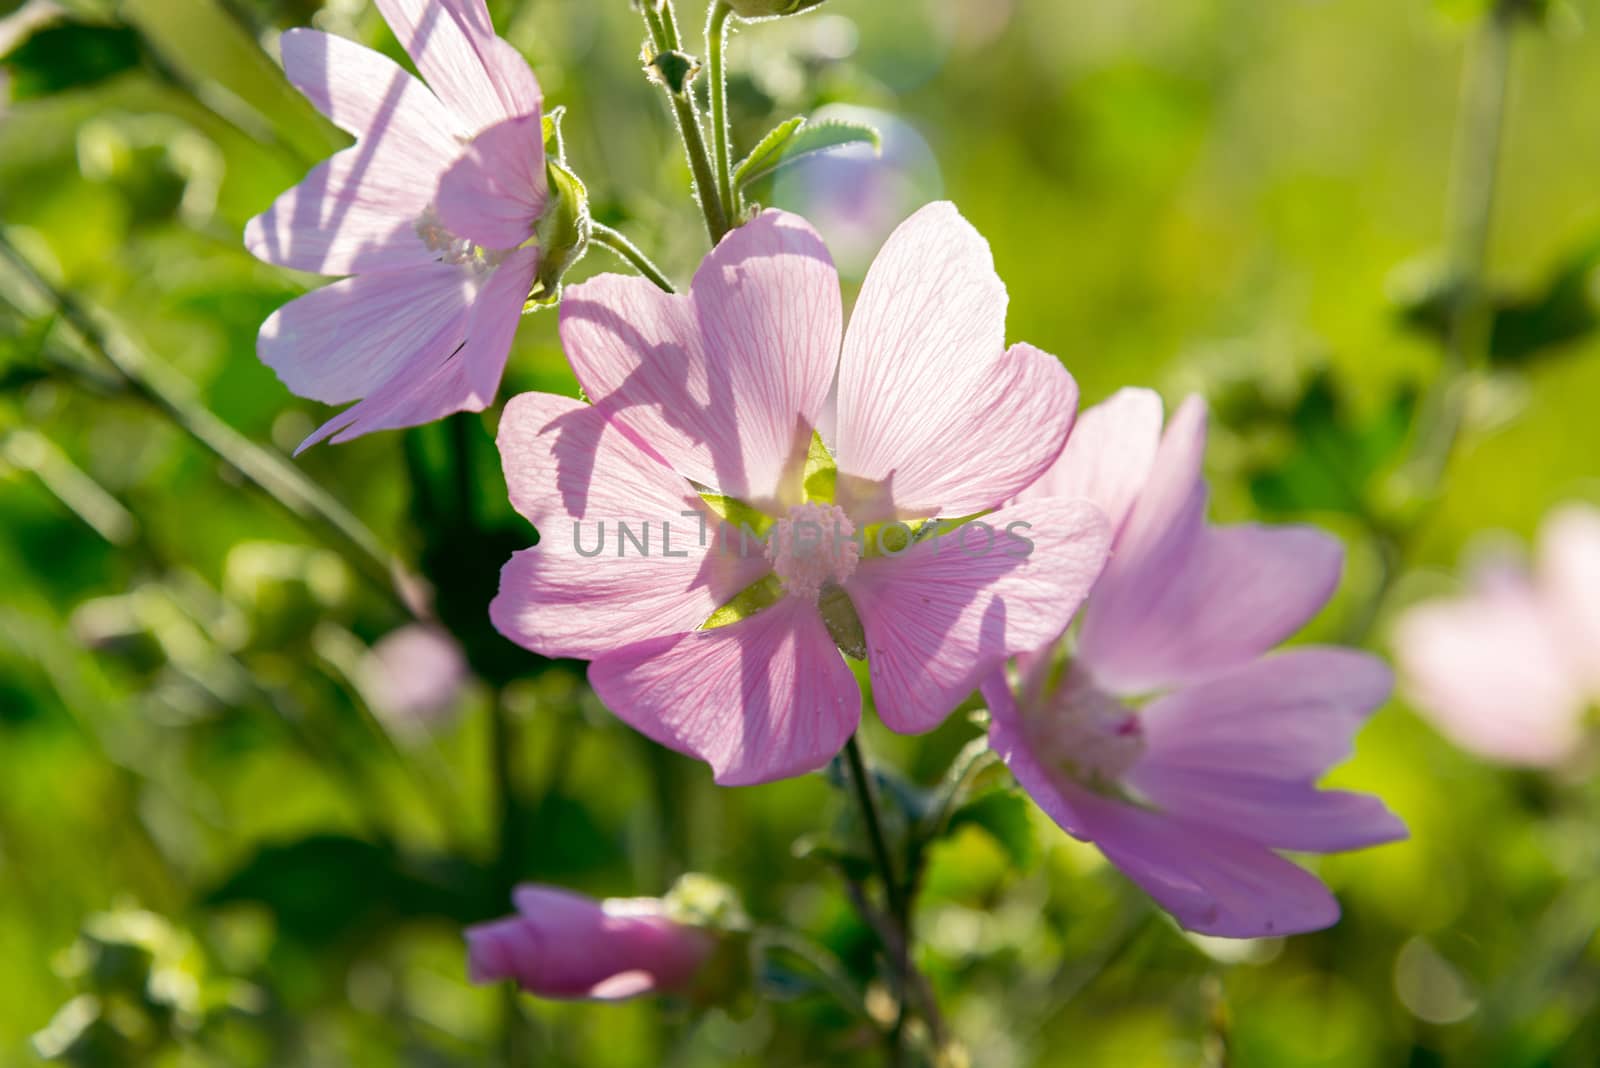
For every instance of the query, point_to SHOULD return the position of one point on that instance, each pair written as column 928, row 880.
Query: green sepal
column 821, row 479
column 562, row 232
column 844, row 625
column 746, row 603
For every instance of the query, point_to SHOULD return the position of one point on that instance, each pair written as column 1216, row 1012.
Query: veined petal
column 1109, row 457
column 586, row 590
column 934, row 416
column 728, row 382
column 1223, row 598
column 477, row 75
column 766, row 698
column 1008, row 737
column 345, row 340
column 370, row 96
column 946, row 613
column 356, row 212
column 1212, row 882
column 494, row 194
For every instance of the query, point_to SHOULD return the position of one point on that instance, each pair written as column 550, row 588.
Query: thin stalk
column 662, row 25
column 721, row 135
column 515, row 1038
column 618, row 242
column 897, row 944
column 1475, row 190
column 274, row 476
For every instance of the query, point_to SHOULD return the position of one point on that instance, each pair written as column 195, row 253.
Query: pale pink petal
column 569, row 471
column 763, row 699
column 356, row 212
column 345, row 340
column 1227, row 596
column 1212, row 882
column 947, row 612
column 496, row 314
column 369, row 95
column 1269, row 811
column 1109, row 456
column 494, row 194
column 728, row 382
column 477, row 75
column 433, row 386
column 1008, row 737
column 1569, row 575
column 1489, row 672
column 934, row 416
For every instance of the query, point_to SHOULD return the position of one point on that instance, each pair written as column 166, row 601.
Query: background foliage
column 207, row 827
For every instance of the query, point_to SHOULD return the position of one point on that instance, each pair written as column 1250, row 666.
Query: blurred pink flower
column 429, row 213
column 721, row 389
column 414, row 676
column 1508, row 669
column 1173, row 741
column 566, row 946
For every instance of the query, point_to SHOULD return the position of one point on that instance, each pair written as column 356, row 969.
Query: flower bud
column 563, row 945
column 751, row 10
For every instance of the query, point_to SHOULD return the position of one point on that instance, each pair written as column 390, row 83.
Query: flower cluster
column 916, row 491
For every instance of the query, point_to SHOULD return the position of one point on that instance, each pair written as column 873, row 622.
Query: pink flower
column 430, row 213
column 414, row 677
column 1171, row 739
column 567, row 946
column 1508, row 669
column 716, row 394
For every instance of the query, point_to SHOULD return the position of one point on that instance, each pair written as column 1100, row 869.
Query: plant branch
column 721, row 135
column 662, row 24
column 618, row 243
column 269, row 472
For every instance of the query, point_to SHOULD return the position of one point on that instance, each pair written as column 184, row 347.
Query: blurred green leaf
column 68, row 55
column 1005, row 816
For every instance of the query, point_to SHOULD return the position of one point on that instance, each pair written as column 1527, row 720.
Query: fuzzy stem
column 662, row 24
column 618, row 242
column 721, row 135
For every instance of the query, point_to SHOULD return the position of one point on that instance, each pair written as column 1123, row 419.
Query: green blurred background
column 211, row 822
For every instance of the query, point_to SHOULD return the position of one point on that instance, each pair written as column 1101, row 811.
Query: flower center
column 453, row 249
column 812, row 548
column 1088, row 734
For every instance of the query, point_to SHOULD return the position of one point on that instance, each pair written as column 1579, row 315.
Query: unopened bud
column 751, row 10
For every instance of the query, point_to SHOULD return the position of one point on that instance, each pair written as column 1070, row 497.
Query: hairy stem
column 662, row 24
column 618, row 243
column 721, row 135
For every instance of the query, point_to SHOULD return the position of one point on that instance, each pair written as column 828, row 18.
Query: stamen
column 814, row 547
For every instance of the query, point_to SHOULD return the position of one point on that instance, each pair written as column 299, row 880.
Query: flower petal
column 476, row 74
column 1569, row 575
column 763, row 699
column 728, row 382
column 356, row 212
column 1109, row 457
column 1009, row 739
column 1212, row 882
column 935, row 417
column 584, row 591
column 946, row 613
column 1489, row 671
column 494, row 194
column 345, row 340
column 369, row 95
column 1233, row 595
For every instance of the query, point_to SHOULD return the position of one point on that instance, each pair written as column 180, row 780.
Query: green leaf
column 797, row 138
column 69, row 55
column 1004, row 816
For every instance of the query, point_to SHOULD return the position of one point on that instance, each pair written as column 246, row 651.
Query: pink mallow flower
column 430, row 214
column 1163, row 729
column 716, row 395
column 563, row 945
column 1508, row 670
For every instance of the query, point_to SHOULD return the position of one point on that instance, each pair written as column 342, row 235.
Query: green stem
column 662, row 24
column 1469, row 335
column 898, row 944
column 721, row 135
column 274, row 476
column 618, row 242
